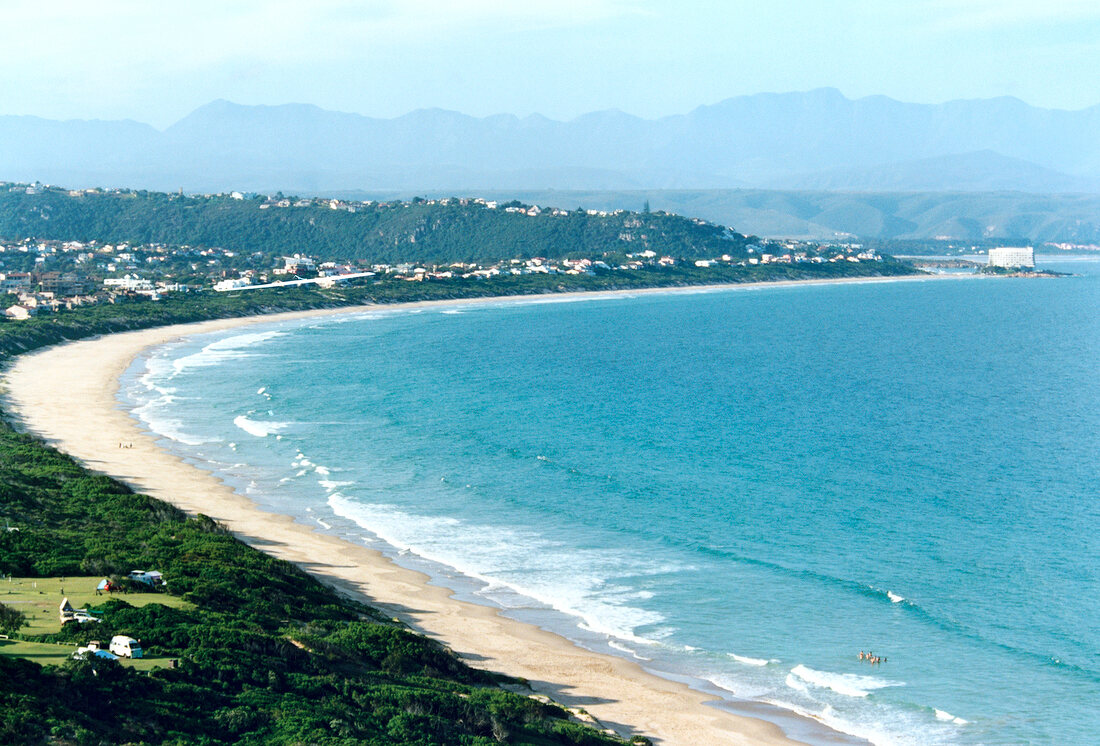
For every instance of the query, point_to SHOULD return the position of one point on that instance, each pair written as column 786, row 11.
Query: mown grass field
column 55, row 654
column 40, row 599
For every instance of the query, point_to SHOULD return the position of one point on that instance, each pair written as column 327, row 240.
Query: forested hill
column 435, row 231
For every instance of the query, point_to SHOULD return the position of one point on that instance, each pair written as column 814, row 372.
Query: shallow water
column 743, row 487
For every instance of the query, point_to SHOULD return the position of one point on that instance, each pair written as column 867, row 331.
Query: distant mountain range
column 813, row 140
column 817, row 140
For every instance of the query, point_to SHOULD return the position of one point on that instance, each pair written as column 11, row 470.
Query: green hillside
column 1014, row 217
column 386, row 232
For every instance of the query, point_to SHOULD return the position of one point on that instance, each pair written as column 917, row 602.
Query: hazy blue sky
column 154, row 62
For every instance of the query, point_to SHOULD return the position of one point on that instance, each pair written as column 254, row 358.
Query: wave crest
column 848, row 684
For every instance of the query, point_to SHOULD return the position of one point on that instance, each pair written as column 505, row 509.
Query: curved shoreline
column 45, row 388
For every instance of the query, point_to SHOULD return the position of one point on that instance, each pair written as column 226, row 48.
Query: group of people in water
column 871, row 658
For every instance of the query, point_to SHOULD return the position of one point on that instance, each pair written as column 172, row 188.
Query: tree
column 11, row 619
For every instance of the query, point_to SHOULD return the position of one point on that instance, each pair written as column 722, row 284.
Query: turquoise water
column 741, row 488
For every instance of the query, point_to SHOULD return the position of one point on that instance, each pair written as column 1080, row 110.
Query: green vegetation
column 266, row 653
column 11, row 618
column 38, row 598
column 416, row 231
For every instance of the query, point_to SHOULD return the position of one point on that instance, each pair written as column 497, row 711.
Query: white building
column 132, row 283
column 1012, row 256
column 295, row 264
column 235, row 283
column 20, row 313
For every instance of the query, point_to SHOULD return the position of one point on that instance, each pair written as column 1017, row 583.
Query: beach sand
column 67, row 395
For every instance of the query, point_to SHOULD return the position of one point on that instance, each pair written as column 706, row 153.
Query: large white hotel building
column 1012, row 256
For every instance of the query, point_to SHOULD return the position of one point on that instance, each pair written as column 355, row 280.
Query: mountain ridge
column 811, row 140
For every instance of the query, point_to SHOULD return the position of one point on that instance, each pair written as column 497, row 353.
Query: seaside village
column 42, row 276
column 37, row 600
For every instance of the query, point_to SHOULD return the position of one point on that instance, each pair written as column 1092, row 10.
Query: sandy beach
column 67, row 396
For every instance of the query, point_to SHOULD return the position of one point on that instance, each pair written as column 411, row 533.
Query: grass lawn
column 47, row 654
column 40, row 599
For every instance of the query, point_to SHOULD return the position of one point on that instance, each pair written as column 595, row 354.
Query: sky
column 155, row 63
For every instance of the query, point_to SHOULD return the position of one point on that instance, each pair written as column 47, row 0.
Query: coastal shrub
column 11, row 619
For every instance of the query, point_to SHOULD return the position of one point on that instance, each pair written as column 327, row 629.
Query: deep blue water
column 743, row 487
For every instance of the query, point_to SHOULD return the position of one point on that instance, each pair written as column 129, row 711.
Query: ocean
column 742, row 489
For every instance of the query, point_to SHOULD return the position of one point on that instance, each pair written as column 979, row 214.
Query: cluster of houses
column 795, row 252
column 326, row 273
column 91, row 273
column 53, row 275
column 38, row 292
column 280, row 202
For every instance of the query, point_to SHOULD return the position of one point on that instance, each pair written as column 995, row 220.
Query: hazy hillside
column 816, row 139
column 826, row 215
column 417, row 231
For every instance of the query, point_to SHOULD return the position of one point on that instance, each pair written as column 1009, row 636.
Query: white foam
column 173, row 430
column 795, row 683
column 748, row 661
column 511, row 561
column 332, row 486
column 259, row 428
column 230, row 348
column 848, row 684
column 625, row 649
column 947, row 717
column 739, row 687
column 894, row 597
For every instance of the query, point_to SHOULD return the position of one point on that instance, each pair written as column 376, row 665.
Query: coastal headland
column 67, row 395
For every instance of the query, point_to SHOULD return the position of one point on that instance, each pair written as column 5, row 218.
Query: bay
column 743, row 488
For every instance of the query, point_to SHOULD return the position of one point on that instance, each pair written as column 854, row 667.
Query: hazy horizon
column 561, row 59
column 541, row 115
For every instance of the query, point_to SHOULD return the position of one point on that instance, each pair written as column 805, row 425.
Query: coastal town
column 49, row 275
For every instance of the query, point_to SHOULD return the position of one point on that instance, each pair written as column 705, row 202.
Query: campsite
column 40, row 600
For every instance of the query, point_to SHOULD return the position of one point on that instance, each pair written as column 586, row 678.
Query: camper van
column 125, row 647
